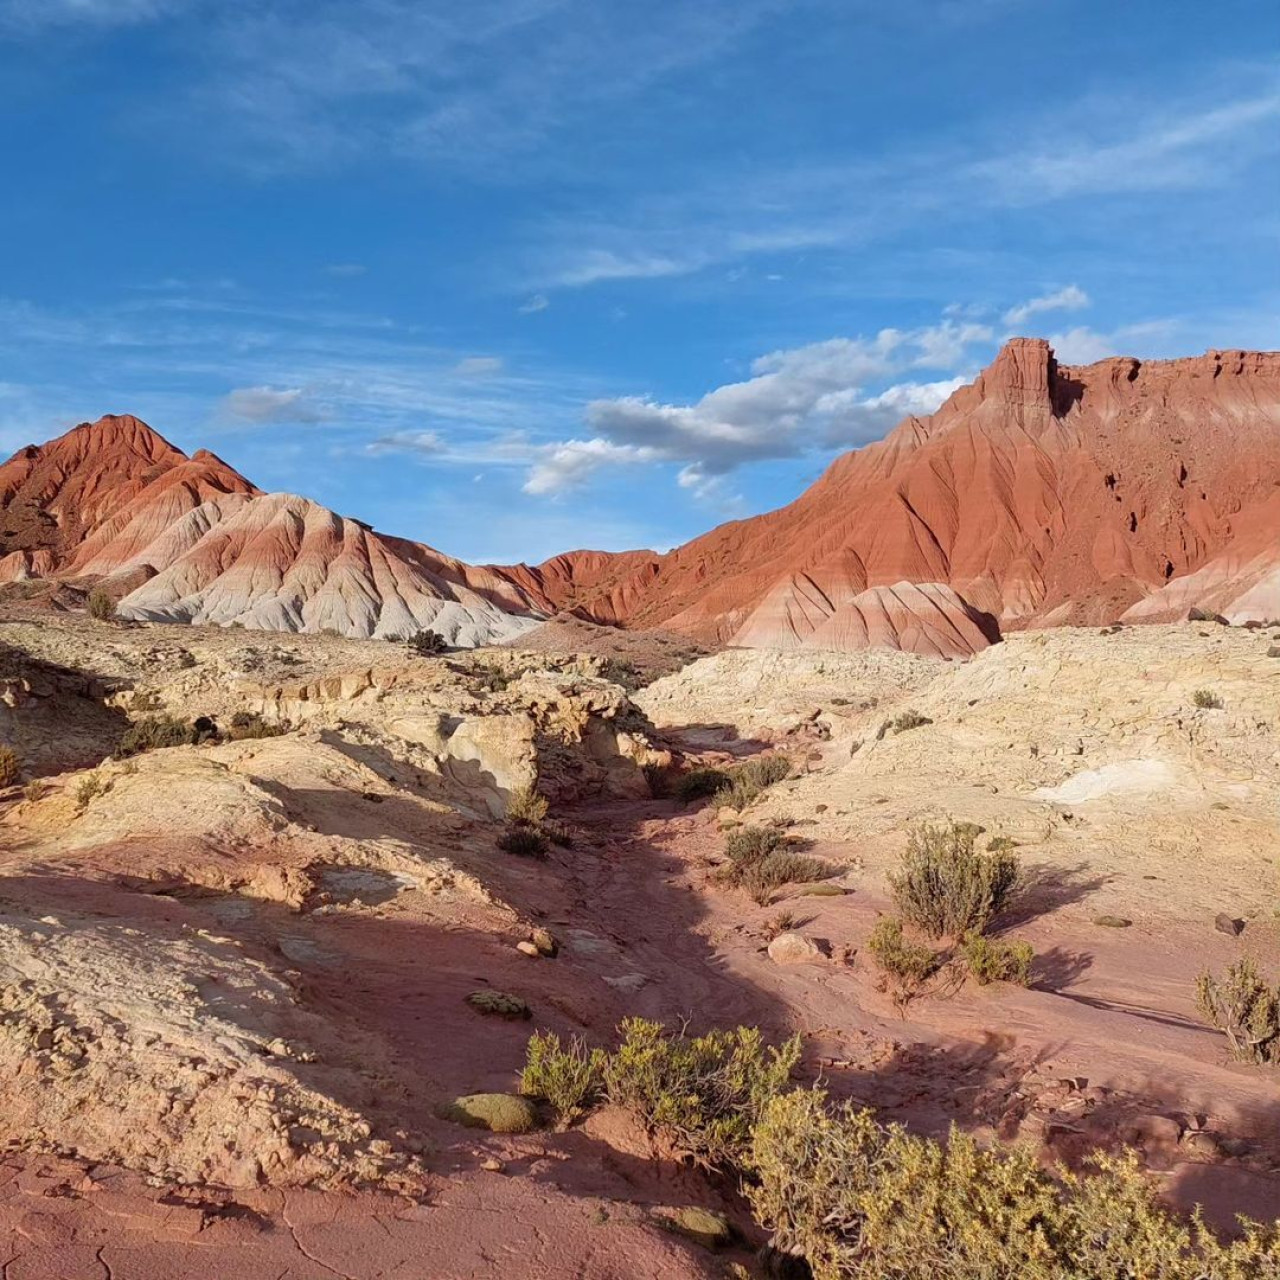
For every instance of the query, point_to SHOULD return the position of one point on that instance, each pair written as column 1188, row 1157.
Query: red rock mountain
column 190, row 540
column 1038, row 495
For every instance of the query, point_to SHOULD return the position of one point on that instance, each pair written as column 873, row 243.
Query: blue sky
column 519, row 276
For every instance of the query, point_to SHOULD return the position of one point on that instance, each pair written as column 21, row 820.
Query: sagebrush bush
column 697, row 784
column 91, row 786
column 427, row 644
column 699, row 1094
column 989, row 960
column 10, row 766
column 524, row 804
column 100, row 605
column 1207, row 700
column 946, row 886
column 567, row 1078
column 1245, row 1008
column 901, row 723
column 908, row 963
column 246, row 725
column 752, row 778
column 155, row 733
column 659, row 778
column 862, row 1201
column 760, row 863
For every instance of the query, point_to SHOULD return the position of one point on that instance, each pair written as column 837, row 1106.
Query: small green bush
column 1001, row 844
column 760, row 863
column 34, row 790
column 908, row 963
column 92, row 785
column 992, row 961
column 101, row 606
column 1245, row 1008
column 697, row 784
column 497, row 1112
column 752, row 778
column 659, row 778
column 862, row 1201
column 156, row 733
column 749, row 844
column 500, row 1004
column 700, row 1094
column 946, row 886
column 1207, row 700
column 569, row 1079
column 428, row 644
column 10, row 766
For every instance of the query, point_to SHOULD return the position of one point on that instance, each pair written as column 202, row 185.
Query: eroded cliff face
column 1038, row 494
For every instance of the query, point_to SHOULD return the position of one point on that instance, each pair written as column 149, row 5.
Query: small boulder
column 794, row 948
column 497, row 1112
column 1112, row 922
column 527, row 948
column 547, row 943
column 1228, row 924
column 703, row 1226
column 499, row 1004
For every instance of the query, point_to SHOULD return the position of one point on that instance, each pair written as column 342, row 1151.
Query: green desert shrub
column 157, row 732
column 699, row 1094
column 497, row 1112
column 1207, row 700
column 91, row 786
column 499, row 1004
column 660, row 779
column 247, row 725
column 1245, row 1008
column 568, row 1078
column 907, row 963
column 428, row 644
column 100, row 605
column 760, row 863
column 10, row 766
column 752, row 778
column 989, row 960
column 947, row 887
column 697, row 784
column 863, row 1201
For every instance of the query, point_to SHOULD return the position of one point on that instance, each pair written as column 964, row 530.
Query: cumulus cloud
column 422, row 443
column 797, row 400
column 478, row 366
column 1071, row 298
column 261, row 405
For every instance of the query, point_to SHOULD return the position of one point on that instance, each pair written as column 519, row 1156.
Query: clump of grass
column 567, row 1078
column 991, row 961
column 752, row 778
column 1245, row 1008
column 524, row 842
column 697, row 784
column 35, row 790
column 10, row 766
column 760, row 863
column 1207, row 700
column 524, row 804
column 859, row 1200
column 155, row 733
column 1001, row 844
column 91, row 786
column 101, row 606
column 775, row 926
column 946, row 886
column 700, row 1094
column 659, row 778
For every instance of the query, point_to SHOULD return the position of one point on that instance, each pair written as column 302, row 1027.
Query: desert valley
column 368, row 913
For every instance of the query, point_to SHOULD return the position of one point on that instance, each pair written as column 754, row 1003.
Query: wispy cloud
column 32, row 14
column 427, row 444
column 1070, row 298
column 796, row 400
column 538, row 302
column 259, row 406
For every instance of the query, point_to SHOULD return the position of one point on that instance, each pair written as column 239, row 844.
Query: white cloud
column 539, row 302
column 1070, row 298
column 260, row 405
column 1151, row 339
column 796, row 401
column 106, row 13
column 592, row 266
column 478, row 366
column 422, row 443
